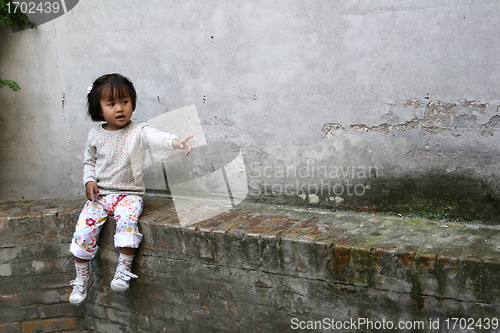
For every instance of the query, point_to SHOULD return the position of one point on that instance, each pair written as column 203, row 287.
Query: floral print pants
column 126, row 208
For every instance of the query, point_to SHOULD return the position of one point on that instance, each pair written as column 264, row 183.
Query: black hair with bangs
column 116, row 85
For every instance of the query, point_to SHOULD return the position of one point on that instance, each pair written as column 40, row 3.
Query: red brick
column 228, row 216
column 13, row 325
column 407, row 259
column 269, row 224
column 259, row 231
column 49, row 325
column 331, row 235
column 427, row 259
column 312, row 234
column 470, row 260
column 226, row 226
column 450, row 257
column 281, row 228
column 209, row 224
column 309, row 222
column 293, row 233
column 341, row 258
column 247, row 225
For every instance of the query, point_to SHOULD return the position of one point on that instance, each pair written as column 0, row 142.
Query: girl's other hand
column 92, row 191
column 183, row 144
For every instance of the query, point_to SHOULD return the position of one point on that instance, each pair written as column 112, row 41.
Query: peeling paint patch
column 414, row 102
column 38, row 266
column 5, row 270
column 313, row 198
column 332, row 129
column 493, row 122
column 437, row 116
column 491, row 125
column 338, row 200
column 220, row 122
column 382, row 128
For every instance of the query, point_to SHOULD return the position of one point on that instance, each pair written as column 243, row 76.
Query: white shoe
column 80, row 288
column 121, row 280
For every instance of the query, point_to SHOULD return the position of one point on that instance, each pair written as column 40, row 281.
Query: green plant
column 11, row 84
column 12, row 18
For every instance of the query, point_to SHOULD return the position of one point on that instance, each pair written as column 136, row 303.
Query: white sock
column 126, row 261
column 82, row 269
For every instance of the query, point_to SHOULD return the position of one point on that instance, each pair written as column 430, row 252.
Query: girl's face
column 117, row 112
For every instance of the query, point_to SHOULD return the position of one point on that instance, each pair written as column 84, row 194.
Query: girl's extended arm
column 160, row 142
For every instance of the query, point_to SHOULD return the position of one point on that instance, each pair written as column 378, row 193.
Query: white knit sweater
column 114, row 160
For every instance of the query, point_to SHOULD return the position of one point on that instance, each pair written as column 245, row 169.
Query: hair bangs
column 113, row 89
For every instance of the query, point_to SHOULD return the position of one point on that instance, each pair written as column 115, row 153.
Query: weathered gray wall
column 407, row 87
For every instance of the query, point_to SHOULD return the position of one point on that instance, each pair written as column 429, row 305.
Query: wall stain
column 63, row 104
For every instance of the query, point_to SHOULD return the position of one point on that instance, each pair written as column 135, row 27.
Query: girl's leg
column 91, row 219
column 127, row 250
column 82, row 268
column 126, row 258
column 81, row 260
column 82, row 283
column 127, row 238
column 84, row 248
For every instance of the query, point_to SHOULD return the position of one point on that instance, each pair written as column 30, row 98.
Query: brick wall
column 254, row 269
column 35, row 267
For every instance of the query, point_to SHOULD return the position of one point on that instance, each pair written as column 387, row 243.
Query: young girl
column 112, row 176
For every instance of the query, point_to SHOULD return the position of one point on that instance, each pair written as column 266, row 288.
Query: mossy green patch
column 438, row 196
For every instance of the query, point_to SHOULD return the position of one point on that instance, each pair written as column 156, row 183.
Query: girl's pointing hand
column 183, row 144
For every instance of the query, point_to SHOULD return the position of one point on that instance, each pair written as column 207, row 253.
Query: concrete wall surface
column 386, row 105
